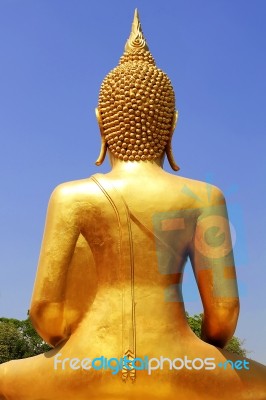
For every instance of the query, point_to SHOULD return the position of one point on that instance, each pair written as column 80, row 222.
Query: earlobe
column 169, row 151
column 103, row 150
column 175, row 119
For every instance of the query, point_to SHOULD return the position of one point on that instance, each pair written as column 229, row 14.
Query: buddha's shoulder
column 199, row 191
column 74, row 189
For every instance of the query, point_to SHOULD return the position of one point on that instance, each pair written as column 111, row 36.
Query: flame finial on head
column 136, row 40
column 136, row 48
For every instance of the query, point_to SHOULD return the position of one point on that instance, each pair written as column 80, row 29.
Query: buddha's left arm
column 60, row 236
column 211, row 255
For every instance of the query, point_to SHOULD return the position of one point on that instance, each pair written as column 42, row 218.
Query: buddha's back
column 139, row 230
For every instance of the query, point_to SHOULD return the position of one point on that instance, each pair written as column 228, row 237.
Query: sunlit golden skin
column 82, row 283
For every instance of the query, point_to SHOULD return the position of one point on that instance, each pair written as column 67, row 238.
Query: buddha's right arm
column 211, row 255
column 61, row 232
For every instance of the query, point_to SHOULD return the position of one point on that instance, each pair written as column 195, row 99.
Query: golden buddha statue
column 108, row 292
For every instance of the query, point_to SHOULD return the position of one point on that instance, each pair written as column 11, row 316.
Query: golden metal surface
column 112, row 260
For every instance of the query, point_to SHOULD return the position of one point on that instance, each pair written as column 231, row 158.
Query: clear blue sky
column 54, row 55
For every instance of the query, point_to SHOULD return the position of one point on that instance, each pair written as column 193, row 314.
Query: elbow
column 219, row 323
column 47, row 319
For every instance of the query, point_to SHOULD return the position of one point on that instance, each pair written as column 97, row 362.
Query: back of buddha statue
column 109, row 279
column 146, row 223
column 140, row 223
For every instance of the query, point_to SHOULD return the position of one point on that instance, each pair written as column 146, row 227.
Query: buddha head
column 136, row 108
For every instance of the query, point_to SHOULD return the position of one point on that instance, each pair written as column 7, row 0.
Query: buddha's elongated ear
column 169, row 151
column 103, row 150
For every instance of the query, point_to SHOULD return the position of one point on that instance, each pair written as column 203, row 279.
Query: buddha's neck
column 135, row 167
